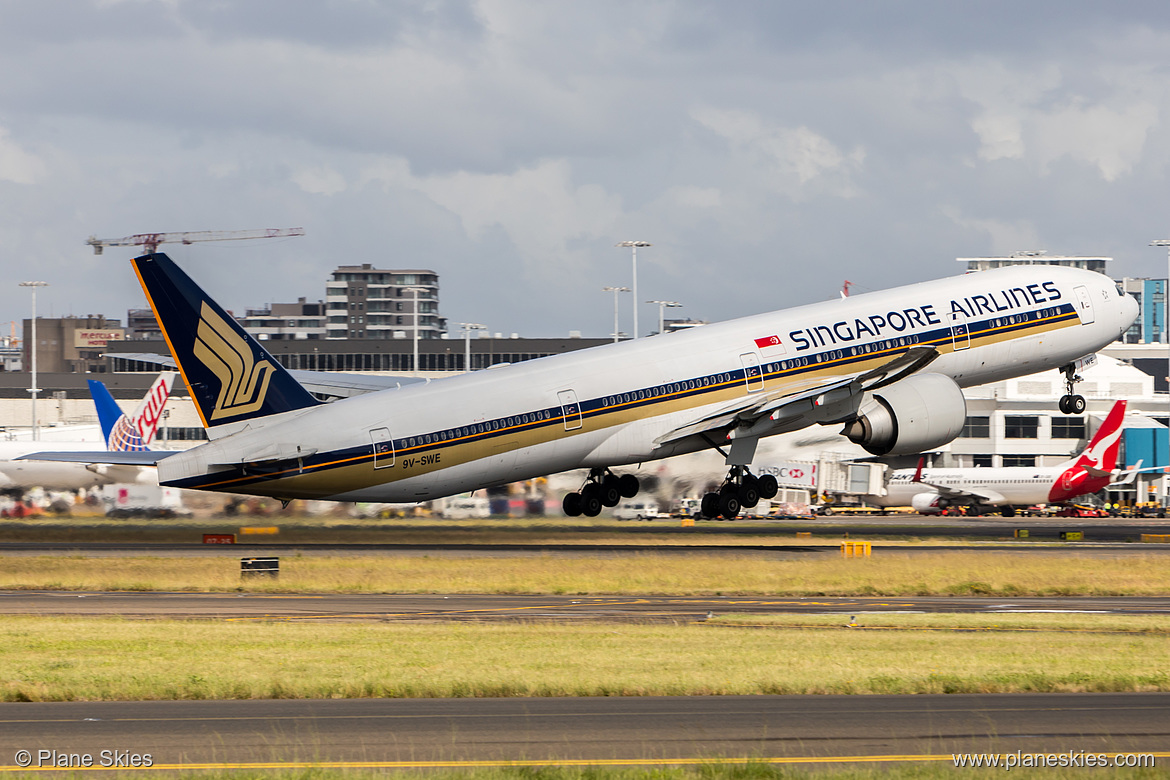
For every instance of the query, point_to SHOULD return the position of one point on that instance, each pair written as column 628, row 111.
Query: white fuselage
column 1017, row 485
column 608, row 405
column 17, row 475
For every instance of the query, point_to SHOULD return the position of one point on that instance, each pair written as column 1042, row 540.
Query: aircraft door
column 960, row 333
column 383, row 447
column 570, row 409
column 752, row 375
column 1084, row 304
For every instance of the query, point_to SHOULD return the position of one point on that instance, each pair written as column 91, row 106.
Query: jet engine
column 915, row 414
column 928, row 504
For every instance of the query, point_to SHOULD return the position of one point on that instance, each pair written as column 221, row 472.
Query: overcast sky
column 768, row 150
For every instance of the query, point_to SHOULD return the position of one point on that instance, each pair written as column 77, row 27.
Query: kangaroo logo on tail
column 1093, row 469
column 1100, row 457
column 243, row 380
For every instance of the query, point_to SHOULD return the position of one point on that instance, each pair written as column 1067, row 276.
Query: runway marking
column 435, row 613
column 953, row 629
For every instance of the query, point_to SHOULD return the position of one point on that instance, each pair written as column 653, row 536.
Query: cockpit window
column 1120, row 290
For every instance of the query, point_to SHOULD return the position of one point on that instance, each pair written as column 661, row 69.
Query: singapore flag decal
column 770, row 346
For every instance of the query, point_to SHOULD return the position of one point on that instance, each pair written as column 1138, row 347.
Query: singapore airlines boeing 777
column 886, row 366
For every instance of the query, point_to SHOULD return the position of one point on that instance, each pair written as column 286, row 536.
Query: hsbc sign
column 791, row 473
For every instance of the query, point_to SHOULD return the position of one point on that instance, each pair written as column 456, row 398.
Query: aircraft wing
column 121, row 458
column 793, row 408
column 331, row 384
column 971, row 493
column 339, row 385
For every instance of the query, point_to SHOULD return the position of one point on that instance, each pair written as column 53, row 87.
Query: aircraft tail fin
column 149, row 412
column 230, row 376
column 918, row 471
column 1101, row 454
column 120, row 432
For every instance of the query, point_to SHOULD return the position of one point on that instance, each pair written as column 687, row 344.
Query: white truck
column 637, row 509
column 135, row 500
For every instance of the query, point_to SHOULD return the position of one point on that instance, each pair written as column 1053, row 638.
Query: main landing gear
column 1070, row 402
column 741, row 489
column 601, row 489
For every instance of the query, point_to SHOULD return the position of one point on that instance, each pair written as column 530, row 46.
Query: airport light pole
column 1163, row 242
column 467, row 328
column 416, row 291
column 32, row 351
column 615, row 291
column 633, row 245
column 662, row 307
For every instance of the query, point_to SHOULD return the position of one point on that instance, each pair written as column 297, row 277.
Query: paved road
column 607, row 730
column 386, row 607
column 824, row 545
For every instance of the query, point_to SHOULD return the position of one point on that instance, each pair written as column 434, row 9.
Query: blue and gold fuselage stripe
column 979, row 333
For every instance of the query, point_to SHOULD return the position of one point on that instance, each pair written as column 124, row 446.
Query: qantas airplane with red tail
column 932, row 491
column 885, row 368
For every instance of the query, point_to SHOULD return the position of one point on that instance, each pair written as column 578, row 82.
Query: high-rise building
column 286, row 321
column 363, row 302
column 71, row 345
column 1035, row 258
column 1150, row 326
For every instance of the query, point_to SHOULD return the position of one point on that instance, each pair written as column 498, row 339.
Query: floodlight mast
column 1165, row 244
column 150, row 241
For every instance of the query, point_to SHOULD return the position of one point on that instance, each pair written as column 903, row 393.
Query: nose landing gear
column 740, row 490
column 1070, row 402
column 602, row 488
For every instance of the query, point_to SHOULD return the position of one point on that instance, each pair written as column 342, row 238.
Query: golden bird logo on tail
column 243, row 382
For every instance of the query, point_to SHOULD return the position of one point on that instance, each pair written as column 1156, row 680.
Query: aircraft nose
column 1129, row 312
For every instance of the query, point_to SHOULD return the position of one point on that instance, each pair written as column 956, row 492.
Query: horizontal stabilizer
column 329, row 384
column 128, row 458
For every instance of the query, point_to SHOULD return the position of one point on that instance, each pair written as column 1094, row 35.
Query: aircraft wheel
column 729, row 506
column 1009, row 511
column 709, row 506
column 749, row 493
column 767, row 486
column 572, row 504
column 1076, row 404
column 590, row 501
column 628, row 485
column 608, row 491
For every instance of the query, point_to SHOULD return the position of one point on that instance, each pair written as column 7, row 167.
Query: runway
column 610, row 730
column 487, row 607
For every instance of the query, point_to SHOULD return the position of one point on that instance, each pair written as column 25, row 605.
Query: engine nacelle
column 918, row 413
column 928, row 504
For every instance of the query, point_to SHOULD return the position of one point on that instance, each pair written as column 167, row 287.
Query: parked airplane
column 888, row 366
column 932, row 491
column 18, row 473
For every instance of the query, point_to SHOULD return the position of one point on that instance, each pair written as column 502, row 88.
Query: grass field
column 807, row 574
column 58, row 659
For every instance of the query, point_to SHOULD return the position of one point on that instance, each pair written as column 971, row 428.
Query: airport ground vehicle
column 637, row 510
column 138, row 500
column 826, row 510
column 466, row 508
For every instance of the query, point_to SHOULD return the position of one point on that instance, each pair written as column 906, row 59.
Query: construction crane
column 151, row 240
